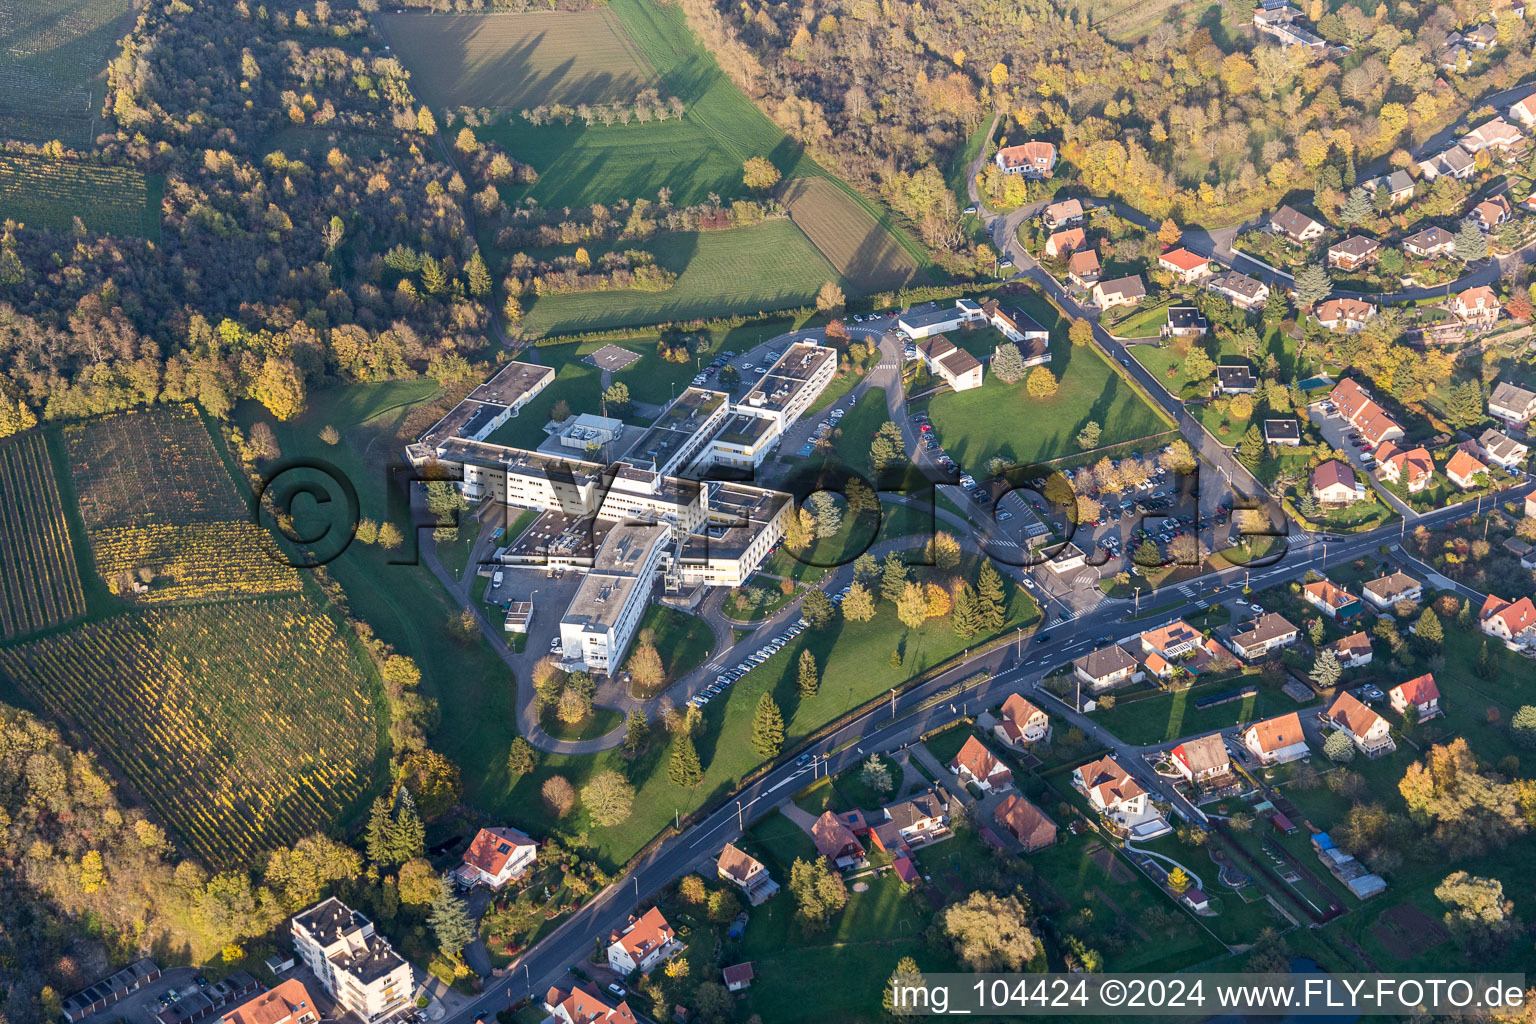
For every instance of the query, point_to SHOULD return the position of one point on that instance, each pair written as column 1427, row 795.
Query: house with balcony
column 1244, row 292
column 1022, row 723
column 1478, row 307
column 1386, row 591
column 1421, row 694
column 1347, row 315
column 836, row 840
column 495, row 858
column 1289, row 222
column 642, row 944
column 1490, row 213
column 1083, row 268
column 1332, row 600
column 1413, row 468
column 746, row 873
column 1512, row 405
column 976, row 764
column 1370, row 733
column 1354, row 651
column 1499, row 449
column 1118, row 797
column 1258, row 637
column 1185, row 266
column 1203, row 761
column 1353, row 253
column 1514, row 622
column 1105, row 668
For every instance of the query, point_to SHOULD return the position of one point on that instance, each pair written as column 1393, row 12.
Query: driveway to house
column 1336, row 430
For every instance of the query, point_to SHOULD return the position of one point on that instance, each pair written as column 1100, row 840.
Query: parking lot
column 770, row 647
column 1340, row 434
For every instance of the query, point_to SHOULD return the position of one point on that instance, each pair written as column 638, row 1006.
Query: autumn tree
column 819, row 893
column 859, row 605
column 989, row 932
column 1041, row 383
column 759, row 174
column 608, row 798
column 830, row 297
column 558, row 795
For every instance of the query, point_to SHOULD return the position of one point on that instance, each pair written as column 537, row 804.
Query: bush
column 1522, row 727
column 1339, row 748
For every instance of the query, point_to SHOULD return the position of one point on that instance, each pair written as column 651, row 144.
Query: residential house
column 1354, row 651
column 1236, row 380
column 1013, row 323
column 1413, row 468
column 1501, row 449
column 1184, row 321
column 1184, row 265
column 1421, row 694
column 496, row 857
column 1478, row 306
column 1530, row 504
column 1355, row 404
column 1033, row 159
column 1083, row 268
column 1284, row 432
column 1122, row 291
column 1333, row 600
column 746, row 873
column 975, row 763
column 1334, row 483
column 1173, row 641
column 1291, row 223
column 1399, row 186
column 1490, row 213
column 1062, row 242
column 1369, row 731
column 1061, row 214
column 836, row 841
column 583, row 1004
column 1277, row 740
column 1455, row 57
column 1481, row 37
column 643, row 943
column 737, row 977
column 1512, row 404
column 1032, row 351
column 916, row 821
column 1253, row 639
column 1497, row 137
column 1112, row 792
column 357, row 967
column 1106, row 667
column 1354, row 252
column 1514, row 622
column 1430, row 242
column 1524, row 111
column 1347, row 315
column 1281, row 24
column 288, row 1002
column 1386, row 591
column 1463, row 470
column 1022, row 723
column 1245, row 292
column 1027, row 822
column 1203, row 761
column 1455, row 162
column 950, row 363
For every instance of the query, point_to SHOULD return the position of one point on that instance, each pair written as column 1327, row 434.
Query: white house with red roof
column 1463, row 469
column 1514, row 622
column 1022, row 723
column 1276, row 740
column 496, row 857
column 1033, row 159
column 975, row 763
column 1421, row 694
column 1334, row 483
column 1371, row 733
column 1203, row 760
column 1064, row 241
column 1496, row 136
column 1490, row 213
column 1524, row 111
column 581, row 1004
column 1116, row 795
column 1414, row 468
column 1187, row 266
column 1347, row 315
column 643, row 943
column 1478, row 306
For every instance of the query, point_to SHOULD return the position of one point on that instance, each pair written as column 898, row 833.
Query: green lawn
column 1143, row 323
column 1168, row 716
column 601, row 722
column 682, row 640
column 1002, row 419
column 769, row 266
column 806, row 977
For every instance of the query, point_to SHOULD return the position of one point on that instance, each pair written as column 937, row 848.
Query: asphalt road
column 1015, row 667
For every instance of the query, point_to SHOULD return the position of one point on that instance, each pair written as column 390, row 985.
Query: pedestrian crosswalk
column 1187, row 590
column 1068, row 614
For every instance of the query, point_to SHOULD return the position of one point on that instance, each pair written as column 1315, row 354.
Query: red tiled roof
column 648, row 933
column 1183, row 259
column 1353, row 715
column 287, row 1001
column 1463, row 466
column 976, row 759
column 1517, row 615
column 1418, row 691
column 832, row 837
column 1275, row 734
column 1017, row 709
column 493, row 847
column 1329, row 593
column 582, row 1005
column 1112, row 782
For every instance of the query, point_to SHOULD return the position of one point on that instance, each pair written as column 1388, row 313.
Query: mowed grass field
column 514, row 61
column 739, row 270
column 1002, row 419
column 42, row 192
column 866, row 254
column 53, row 59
